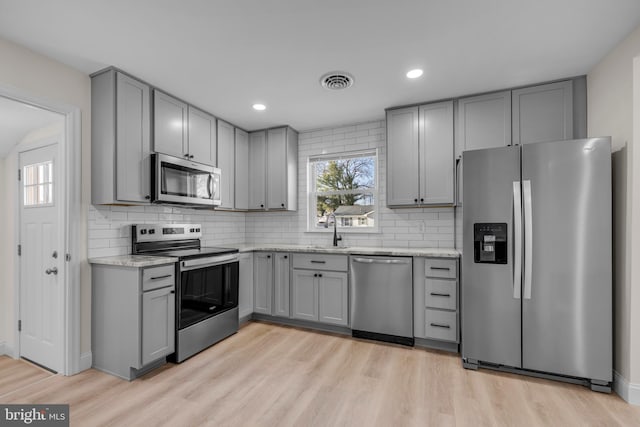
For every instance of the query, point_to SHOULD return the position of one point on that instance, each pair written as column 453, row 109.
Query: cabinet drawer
column 441, row 293
column 320, row 262
column 158, row 277
column 446, row 268
column 441, row 325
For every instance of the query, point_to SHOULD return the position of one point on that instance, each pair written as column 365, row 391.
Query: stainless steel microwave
column 185, row 182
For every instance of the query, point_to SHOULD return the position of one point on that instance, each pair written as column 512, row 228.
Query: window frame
column 312, row 194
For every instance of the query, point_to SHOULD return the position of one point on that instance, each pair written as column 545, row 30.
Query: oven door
column 208, row 286
column 182, row 181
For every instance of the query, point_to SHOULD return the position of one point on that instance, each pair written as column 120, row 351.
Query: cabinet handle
column 421, row 200
column 438, row 325
column 315, row 275
column 440, row 268
column 268, row 256
column 436, row 294
column 282, row 204
column 285, row 257
column 186, row 155
column 415, row 200
column 147, row 197
column 313, row 261
column 319, row 275
column 172, row 292
column 160, row 277
column 262, row 206
column 191, row 156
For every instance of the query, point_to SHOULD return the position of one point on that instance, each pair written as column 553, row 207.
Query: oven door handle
column 193, row 264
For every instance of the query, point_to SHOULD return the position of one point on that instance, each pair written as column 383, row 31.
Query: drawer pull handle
column 313, row 261
column 436, row 294
column 160, row 277
column 440, row 268
column 438, row 325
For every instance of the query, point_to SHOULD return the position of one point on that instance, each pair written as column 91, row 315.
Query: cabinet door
column 281, row 278
column 245, row 284
column 436, row 153
column 333, row 298
column 169, row 125
column 402, row 157
column 305, row 295
column 202, row 137
column 226, row 163
column 242, row 170
column 276, row 168
column 133, row 144
column 158, row 324
column 543, row 113
column 262, row 282
column 484, row 122
column 257, row 171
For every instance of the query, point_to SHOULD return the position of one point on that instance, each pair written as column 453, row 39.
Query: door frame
column 69, row 150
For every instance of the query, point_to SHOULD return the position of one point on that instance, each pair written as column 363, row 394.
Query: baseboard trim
column 6, row 350
column 86, row 360
column 627, row 391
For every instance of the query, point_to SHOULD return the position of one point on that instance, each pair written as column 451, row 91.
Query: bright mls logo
column 34, row 415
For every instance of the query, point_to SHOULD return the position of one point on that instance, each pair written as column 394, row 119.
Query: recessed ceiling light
column 414, row 74
column 259, row 107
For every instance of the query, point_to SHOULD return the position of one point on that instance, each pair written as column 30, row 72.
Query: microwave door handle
column 210, row 186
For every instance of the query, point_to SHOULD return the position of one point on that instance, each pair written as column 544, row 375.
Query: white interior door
column 41, row 260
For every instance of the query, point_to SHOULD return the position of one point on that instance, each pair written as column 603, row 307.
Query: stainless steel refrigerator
column 536, row 261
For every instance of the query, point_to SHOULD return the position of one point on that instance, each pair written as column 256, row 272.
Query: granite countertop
column 426, row 252
column 133, row 260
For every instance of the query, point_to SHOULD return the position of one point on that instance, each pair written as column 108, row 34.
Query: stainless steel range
column 207, row 284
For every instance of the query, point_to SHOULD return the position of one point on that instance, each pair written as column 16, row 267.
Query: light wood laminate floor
column 270, row 375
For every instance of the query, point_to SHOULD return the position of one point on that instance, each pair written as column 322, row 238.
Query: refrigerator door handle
column 528, row 238
column 517, row 240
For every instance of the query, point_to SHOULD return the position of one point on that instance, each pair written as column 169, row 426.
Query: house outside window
column 343, row 187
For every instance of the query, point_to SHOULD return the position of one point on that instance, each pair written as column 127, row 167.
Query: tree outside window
column 343, row 187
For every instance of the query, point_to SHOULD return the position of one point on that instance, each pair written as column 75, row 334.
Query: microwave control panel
column 490, row 243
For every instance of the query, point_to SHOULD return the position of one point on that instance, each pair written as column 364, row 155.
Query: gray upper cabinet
column 242, row 170
column 436, row 153
column 202, row 146
column 170, row 124
column 402, row 157
column 182, row 130
column 543, row 113
column 120, row 139
column 483, row 122
column 420, row 163
column 273, row 169
column 257, row 169
column 226, row 163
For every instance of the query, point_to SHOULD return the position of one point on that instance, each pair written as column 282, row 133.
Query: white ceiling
column 223, row 56
column 18, row 119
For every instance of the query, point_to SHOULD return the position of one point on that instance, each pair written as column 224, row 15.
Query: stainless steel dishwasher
column 382, row 298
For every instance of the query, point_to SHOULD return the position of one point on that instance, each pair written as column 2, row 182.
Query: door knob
column 53, row 270
column 55, row 254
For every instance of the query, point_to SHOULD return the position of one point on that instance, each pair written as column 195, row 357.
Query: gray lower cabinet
column 245, row 285
column 436, row 303
column 133, row 318
column 262, row 282
column 120, row 139
column 271, row 276
column 320, row 294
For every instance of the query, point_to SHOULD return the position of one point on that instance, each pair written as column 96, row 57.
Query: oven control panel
column 160, row 232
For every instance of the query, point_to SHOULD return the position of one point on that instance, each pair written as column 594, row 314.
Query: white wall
column 44, row 78
column 610, row 88
column 413, row 227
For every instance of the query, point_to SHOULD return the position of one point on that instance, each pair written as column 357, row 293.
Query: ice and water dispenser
column 490, row 243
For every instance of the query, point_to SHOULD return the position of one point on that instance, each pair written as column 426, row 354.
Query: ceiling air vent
column 336, row 80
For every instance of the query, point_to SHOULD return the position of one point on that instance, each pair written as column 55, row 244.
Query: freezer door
column 490, row 300
column 567, row 307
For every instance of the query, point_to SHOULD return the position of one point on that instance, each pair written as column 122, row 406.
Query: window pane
column 345, row 174
column 38, row 184
column 350, row 210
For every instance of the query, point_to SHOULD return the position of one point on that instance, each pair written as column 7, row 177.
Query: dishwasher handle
column 381, row 261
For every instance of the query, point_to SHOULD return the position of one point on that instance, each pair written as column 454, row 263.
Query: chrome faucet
column 336, row 238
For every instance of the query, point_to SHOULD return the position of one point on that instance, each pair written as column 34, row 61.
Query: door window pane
column 38, row 184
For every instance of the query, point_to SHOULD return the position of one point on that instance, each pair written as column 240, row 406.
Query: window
column 343, row 188
column 38, row 184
